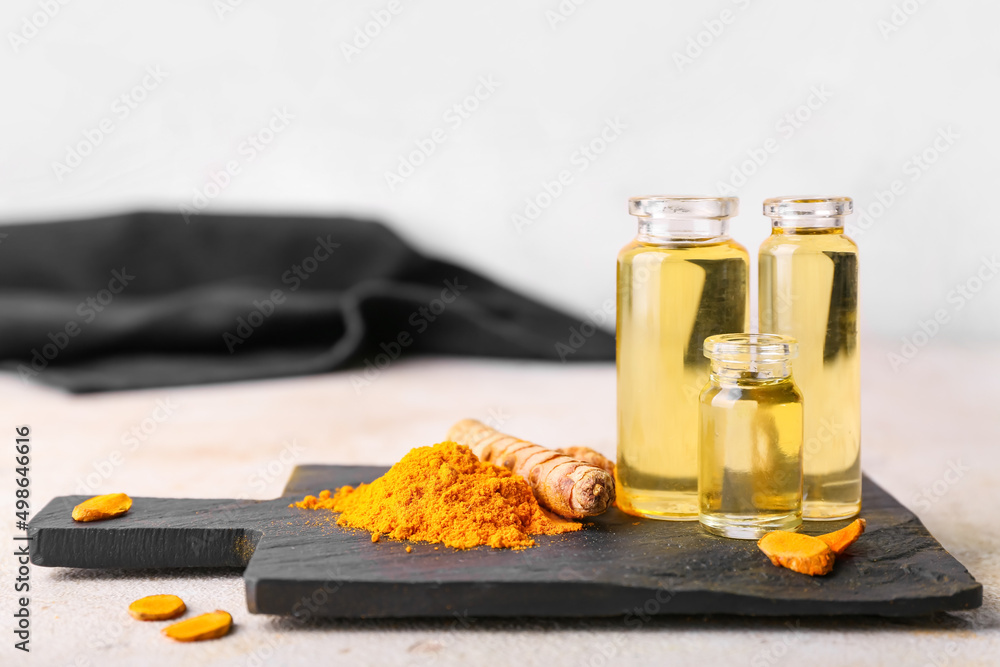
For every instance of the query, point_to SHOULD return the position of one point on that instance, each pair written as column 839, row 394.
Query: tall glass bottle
column 809, row 290
column 680, row 280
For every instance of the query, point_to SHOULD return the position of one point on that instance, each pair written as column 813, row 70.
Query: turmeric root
column 588, row 455
column 157, row 608
column 206, row 626
column 103, row 507
column 564, row 485
column 839, row 540
column 799, row 553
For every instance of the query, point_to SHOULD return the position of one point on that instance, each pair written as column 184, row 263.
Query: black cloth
column 154, row 299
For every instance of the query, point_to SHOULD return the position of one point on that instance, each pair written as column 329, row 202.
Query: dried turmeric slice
column 212, row 625
column 157, row 608
column 799, row 553
column 839, row 540
column 103, row 507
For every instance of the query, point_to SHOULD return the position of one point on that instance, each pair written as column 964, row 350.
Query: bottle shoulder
column 774, row 392
column 807, row 243
column 724, row 248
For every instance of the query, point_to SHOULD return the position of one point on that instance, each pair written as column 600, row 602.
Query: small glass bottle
column 750, row 449
column 809, row 290
column 680, row 280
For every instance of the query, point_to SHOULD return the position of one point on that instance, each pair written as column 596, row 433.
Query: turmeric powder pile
column 445, row 494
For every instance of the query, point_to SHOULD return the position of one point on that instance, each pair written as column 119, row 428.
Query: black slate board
column 300, row 562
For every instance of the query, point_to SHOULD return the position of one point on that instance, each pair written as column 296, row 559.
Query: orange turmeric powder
column 566, row 486
column 444, row 494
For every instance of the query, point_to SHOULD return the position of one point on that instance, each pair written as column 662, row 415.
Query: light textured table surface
column 940, row 412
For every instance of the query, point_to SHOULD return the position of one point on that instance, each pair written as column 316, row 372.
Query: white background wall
column 896, row 75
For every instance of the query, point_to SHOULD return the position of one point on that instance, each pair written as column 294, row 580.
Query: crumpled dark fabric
column 158, row 299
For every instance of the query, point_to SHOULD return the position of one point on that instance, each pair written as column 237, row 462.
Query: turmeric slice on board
column 212, row 625
column 799, row 553
column 157, row 608
column 103, row 507
column 839, row 540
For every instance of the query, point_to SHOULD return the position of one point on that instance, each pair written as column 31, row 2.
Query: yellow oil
column 751, row 466
column 809, row 290
column 670, row 298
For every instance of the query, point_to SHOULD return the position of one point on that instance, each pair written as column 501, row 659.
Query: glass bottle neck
column 807, row 225
column 750, row 372
column 685, row 230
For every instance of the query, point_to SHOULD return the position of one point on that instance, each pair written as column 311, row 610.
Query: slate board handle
column 155, row 533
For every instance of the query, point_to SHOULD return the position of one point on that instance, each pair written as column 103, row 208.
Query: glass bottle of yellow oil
column 680, row 280
column 750, row 444
column 809, row 290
